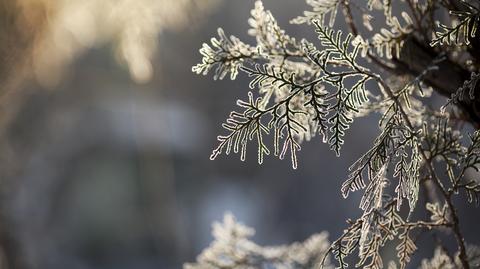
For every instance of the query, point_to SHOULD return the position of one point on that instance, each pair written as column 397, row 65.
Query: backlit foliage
column 307, row 88
column 441, row 259
column 466, row 92
column 321, row 9
column 464, row 29
column 232, row 248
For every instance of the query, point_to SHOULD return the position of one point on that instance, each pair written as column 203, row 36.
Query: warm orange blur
column 64, row 29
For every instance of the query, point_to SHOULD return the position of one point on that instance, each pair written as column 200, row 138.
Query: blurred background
column 106, row 136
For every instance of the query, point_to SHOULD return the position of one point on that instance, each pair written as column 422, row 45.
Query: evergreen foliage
column 301, row 89
column 464, row 29
column 232, row 248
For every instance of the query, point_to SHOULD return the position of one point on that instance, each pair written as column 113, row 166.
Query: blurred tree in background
column 51, row 130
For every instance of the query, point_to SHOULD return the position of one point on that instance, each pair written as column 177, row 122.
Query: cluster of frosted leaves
column 441, row 259
column 299, row 92
column 390, row 40
column 321, row 9
column 443, row 144
column 225, row 55
column 464, row 93
column 232, row 248
column 271, row 39
column 438, row 214
column 472, row 157
column 380, row 225
column 397, row 145
column 463, row 29
column 386, row 42
column 300, row 89
column 412, row 91
column 470, row 160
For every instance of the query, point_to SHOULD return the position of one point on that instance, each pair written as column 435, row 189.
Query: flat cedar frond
column 224, row 55
column 244, row 126
column 335, row 51
column 407, row 170
column 472, row 158
column 271, row 39
column 227, row 54
column 464, row 93
column 247, row 125
column 443, row 143
column 370, row 233
column 336, row 48
column 271, row 76
column 463, row 31
column 374, row 159
column 373, row 197
column 472, row 188
column 321, row 9
column 389, row 41
column 372, row 259
column 406, row 248
column 345, row 245
column 439, row 215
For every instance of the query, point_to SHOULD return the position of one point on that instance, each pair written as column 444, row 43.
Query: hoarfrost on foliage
column 232, row 248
